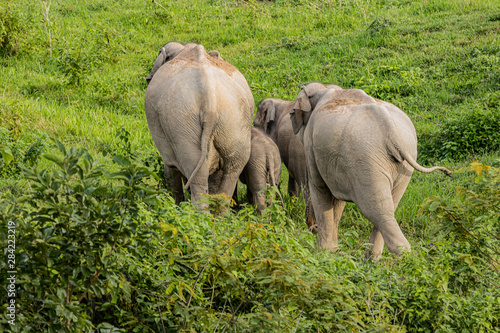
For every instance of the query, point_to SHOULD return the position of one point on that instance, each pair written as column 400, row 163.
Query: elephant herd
column 339, row 145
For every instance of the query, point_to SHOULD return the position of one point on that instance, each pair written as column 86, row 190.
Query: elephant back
column 334, row 100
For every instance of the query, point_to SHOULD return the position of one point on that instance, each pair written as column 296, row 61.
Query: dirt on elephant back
column 226, row 67
column 191, row 60
column 335, row 105
column 347, row 97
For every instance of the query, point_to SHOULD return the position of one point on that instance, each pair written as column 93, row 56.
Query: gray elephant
column 273, row 117
column 263, row 168
column 358, row 149
column 199, row 110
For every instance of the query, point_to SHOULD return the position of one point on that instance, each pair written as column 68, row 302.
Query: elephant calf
column 358, row 149
column 263, row 168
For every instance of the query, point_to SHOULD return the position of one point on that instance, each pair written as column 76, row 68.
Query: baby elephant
column 263, row 167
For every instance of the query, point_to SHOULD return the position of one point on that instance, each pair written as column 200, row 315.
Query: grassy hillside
column 97, row 252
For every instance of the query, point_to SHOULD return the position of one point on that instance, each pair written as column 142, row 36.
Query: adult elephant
column 358, row 149
column 273, row 117
column 199, row 110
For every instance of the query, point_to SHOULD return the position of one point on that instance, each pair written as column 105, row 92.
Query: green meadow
column 98, row 244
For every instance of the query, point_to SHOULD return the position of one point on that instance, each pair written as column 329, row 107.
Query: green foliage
column 476, row 132
column 16, row 153
column 471, row 220
column 72, row 228
column 11, row 25
column 103, row 250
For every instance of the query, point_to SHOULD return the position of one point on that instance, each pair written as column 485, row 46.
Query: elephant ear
column 270, row 115
column 215, row 54
column 167, row 52
column 300, row 108
column 160, row 60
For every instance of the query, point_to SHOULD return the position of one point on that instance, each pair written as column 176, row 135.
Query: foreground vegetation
column 102, row 247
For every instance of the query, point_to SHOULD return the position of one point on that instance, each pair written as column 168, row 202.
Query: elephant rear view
column 263, row 169
column 199, row 110
column 358, row 149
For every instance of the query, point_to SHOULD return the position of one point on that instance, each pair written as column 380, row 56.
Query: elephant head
column 266, row 115
column 305, row 103
column 167, row 53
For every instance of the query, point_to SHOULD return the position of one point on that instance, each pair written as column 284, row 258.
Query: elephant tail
column 274, row 183
column 420, row 168
column 206, row 136
column 399, row 153
column 208, row 122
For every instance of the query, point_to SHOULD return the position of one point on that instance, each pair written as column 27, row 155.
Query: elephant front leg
column 310, row 218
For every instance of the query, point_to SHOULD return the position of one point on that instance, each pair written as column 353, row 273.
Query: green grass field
column 75, row 71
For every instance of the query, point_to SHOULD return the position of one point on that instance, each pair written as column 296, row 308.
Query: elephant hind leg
column 378, row 207
column 377, row 245
column 257, row 187
column 200, row 180
column 173, row 179
column 376, row 239
column 327, row 210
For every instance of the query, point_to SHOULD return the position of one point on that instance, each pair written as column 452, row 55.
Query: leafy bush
column 16, row 153
column 105, row 251
column 10, row 26
column 71, row 229
column 476, row 132
column 471, row 220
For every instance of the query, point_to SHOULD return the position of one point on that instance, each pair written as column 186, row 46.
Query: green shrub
column 17, row 153
column 471, row 220
column 11, row 25
column 474, row 133
column 72, row 229
column 104, row 251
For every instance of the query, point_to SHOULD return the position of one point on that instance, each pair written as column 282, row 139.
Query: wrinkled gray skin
column 263, row 168
column 273, row 117
column 358, row 149
column 199, row 110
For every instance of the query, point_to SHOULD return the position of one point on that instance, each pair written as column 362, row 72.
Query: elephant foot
column 331, row 246
column 375, row 257
column 311, row 219
column 313, row 228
